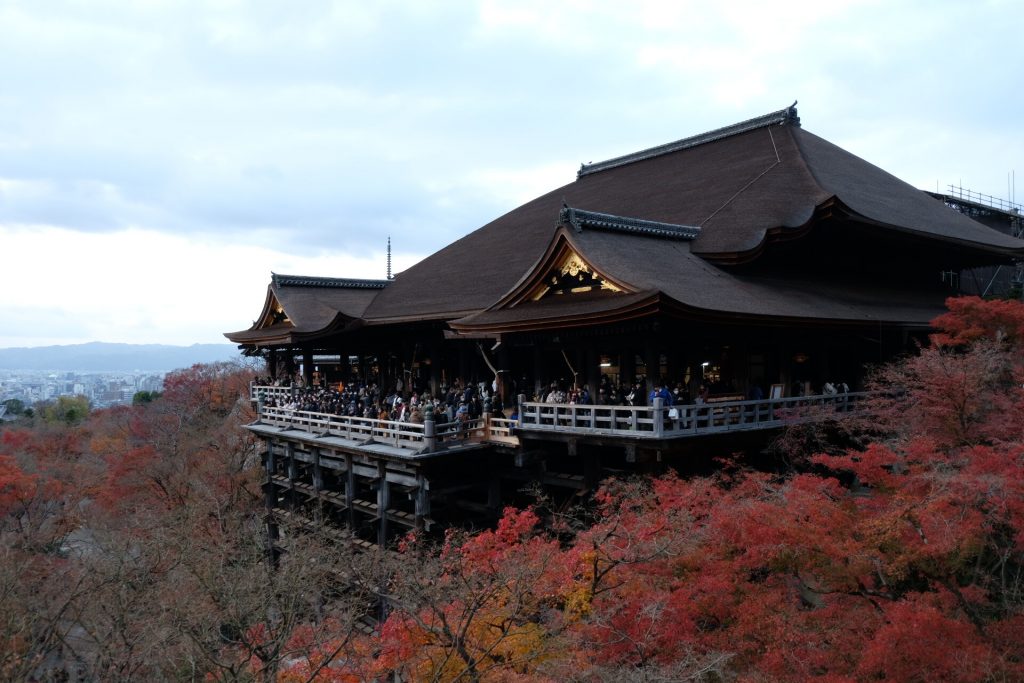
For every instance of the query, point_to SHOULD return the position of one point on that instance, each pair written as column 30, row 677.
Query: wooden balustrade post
column 429, row 427
column 486, row 416
column 659, row 417
column 521, row 401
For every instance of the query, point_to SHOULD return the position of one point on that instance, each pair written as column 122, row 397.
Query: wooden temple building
column 745, row 267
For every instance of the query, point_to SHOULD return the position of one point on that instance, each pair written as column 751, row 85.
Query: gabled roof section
column 555, row 272
column 666, row 278
column 569, row 286
column 787, row 116
column 299, row 308
column 580, row 219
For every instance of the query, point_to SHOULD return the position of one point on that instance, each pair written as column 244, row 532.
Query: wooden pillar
column 579, row 364
column 824, row 367
column 627, row 366
column 350, row 490
column 384, row 371
column 493, row 486
column 505, row 381
column 307, row 367
column 318, row 477
column 383, row 502
column 591, row 372
column 465, row 358
column 422, row 501
column 436, row 362
column 272, row 363
column 652, row 358
column 289, row 450
column 270, row 462
column 289, row 363
column 591, row 469
column 318, row 485
column 673, row 358
column 540, row 379
column 366, row 369
column 270, row 499
column 270, row 490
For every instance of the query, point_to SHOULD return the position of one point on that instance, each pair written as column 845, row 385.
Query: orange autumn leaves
column 901, row 560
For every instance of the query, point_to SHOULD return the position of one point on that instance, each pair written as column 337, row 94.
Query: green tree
column 143, row 397
column 67, row 409
column 15, row 406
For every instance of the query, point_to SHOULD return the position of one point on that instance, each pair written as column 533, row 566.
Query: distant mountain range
column 105, row 357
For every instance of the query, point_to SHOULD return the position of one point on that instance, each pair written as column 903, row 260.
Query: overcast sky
column 159, row 158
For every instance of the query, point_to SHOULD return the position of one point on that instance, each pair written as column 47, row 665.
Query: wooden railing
column 640, row 422
column 502, row 430
column 659, row 421
column 265, row 392
column 353, row 428
column 428, row 436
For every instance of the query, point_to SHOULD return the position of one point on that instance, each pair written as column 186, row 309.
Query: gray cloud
column 336, row 123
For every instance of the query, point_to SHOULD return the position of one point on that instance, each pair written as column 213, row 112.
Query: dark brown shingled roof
column 313, row 306
column 743, row 186
column 564, row 311
column 880, row 196
column 687, row 283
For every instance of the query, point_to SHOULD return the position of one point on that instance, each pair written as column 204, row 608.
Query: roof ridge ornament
column 580, row 219
column 328, row 282
column 782, row 117
column 390, row 277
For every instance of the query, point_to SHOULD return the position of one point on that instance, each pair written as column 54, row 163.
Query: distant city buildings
column 103, row 389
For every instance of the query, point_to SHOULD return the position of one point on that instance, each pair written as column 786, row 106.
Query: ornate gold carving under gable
column 574, row 265
column 572, row 275
column 275, row 315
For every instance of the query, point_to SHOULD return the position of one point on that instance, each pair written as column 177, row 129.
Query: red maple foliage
column 911, row 570
column 901, row 560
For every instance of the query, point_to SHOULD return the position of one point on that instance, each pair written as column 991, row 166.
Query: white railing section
column 644, row 422
column 502, row 430
column 423, row 437
column 353, row 428
column 660, row 421
column 267, row 392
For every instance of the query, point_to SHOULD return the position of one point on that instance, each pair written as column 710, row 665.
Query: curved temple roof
column 658, row 275
column 663, row 220
column 299, row 306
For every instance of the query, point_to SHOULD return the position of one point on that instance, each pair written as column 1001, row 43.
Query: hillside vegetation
column 890, row 548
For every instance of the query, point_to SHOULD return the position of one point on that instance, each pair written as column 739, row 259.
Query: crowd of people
column 457, row 402
column 611, row 393
column 463, row 401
